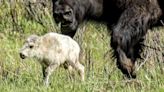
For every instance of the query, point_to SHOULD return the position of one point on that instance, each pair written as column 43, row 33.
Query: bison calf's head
column 29, row 47
column 64, row 13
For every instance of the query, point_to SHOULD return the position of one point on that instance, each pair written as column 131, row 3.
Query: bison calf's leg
column 44, row 72
column 71, row 72
column 80, row 68
column 47, row 72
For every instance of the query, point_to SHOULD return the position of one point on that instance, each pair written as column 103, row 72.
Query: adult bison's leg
column 126, row 65
column 127, row 37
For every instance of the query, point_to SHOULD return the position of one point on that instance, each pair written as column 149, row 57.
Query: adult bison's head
column 65, row 12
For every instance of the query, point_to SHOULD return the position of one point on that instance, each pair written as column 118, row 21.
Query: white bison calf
column 52, row 50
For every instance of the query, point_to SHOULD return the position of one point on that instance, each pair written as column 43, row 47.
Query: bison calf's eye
column 31, row 46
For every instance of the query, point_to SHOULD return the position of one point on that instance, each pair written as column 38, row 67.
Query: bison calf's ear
column 32, row 38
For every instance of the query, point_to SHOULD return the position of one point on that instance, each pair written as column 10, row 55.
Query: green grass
column 101, row 73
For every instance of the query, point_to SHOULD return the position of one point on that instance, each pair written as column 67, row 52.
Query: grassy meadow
column 19, row 19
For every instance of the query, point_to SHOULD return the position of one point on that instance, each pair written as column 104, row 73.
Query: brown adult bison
column 129, row 21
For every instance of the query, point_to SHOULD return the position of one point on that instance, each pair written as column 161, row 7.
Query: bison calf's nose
column 22, row 56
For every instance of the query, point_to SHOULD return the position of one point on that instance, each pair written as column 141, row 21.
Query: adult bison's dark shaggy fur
column 129, row 21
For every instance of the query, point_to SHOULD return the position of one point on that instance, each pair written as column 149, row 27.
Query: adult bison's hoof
column 131, row 75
